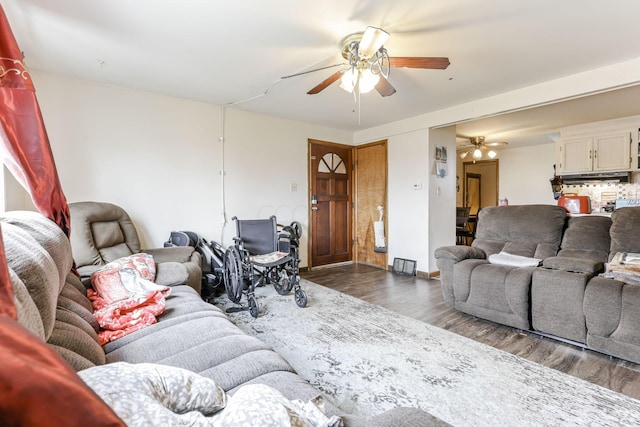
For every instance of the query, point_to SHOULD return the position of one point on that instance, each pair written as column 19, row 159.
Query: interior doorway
column 480, row 184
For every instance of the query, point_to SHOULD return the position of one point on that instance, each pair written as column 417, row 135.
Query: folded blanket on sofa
column 505, row 258
column 625, row 267
column 124, row 297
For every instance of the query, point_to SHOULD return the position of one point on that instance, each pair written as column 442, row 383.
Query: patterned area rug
column 368, row 359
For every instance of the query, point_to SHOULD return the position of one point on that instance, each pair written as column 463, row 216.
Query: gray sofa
column 565, row 296
column 191, row 334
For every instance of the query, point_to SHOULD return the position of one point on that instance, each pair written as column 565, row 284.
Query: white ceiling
column 236, row 51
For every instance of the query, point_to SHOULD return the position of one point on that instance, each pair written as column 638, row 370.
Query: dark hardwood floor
column 422, row 299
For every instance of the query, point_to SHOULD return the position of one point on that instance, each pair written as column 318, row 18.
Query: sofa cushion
column 36, row 251
column 121, row 237
column 78, row 339
column 520, row 230
column 587, row 237
column 575, row 265
column 625, row 233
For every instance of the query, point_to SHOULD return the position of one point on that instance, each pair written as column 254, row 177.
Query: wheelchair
column 263, row 252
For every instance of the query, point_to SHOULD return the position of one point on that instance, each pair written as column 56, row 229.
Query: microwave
column 575, row 204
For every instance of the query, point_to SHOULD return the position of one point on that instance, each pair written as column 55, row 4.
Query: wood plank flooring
column 422, row 299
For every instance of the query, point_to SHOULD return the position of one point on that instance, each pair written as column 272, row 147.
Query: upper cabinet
column 599, row 147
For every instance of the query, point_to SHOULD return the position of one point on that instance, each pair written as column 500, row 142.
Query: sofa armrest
column 458, row 253
column 575, row 265
column 174, row 253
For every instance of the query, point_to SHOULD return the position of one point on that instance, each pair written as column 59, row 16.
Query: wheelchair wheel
column 294, row 229
column 254, row 309
column 282, row 282
column 301, row 298
column 233, row 282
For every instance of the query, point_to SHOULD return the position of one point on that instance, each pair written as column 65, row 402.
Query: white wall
column 408, row 210
column 525, row 173
column 160, row 157
column 442, row 196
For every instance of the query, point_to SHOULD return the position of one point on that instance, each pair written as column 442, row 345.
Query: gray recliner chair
column 103, row 232
column 493, row 291
column 611, row 306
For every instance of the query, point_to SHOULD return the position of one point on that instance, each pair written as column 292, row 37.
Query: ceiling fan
column 369, row 64
column 477, row 147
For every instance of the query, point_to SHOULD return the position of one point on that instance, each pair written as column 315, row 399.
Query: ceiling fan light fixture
column 477, row 153
column 368, row 80
column 372, row 40
column 363, row 78
column 348, row 80
column 464, row 154
column 492, row 154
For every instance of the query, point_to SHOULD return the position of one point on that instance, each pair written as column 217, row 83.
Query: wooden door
column 473, row 196
column 330, row 186
column 371, row 192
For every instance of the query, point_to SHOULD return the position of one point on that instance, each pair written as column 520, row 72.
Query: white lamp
column 492, row 154
column 477, row 153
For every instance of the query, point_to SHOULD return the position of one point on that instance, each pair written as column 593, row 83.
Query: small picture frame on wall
column 441, row 161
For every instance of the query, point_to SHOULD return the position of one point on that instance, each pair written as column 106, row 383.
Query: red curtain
column 27, row 151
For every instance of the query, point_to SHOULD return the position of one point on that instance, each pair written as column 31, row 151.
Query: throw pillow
column 147, row 394
column 37, row 388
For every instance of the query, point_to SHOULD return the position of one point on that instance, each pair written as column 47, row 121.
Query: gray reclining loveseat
column 500, row 292
column 566, row 295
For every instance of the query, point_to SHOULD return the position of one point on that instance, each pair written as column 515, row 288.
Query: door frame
column 311, row 142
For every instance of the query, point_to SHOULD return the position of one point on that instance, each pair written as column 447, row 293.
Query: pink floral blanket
column 124, row 297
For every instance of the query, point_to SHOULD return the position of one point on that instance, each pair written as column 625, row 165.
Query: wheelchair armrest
column 284, row 242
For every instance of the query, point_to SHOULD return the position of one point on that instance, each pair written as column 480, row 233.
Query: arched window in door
column 332, row 163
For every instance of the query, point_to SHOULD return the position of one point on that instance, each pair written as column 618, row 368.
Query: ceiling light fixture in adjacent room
column 478, row 148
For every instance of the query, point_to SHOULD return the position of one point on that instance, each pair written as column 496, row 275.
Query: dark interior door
column 473, row 194
column 330, row 185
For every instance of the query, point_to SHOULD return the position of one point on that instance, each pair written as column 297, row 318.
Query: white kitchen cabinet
column 576, row 155
column 598, row 147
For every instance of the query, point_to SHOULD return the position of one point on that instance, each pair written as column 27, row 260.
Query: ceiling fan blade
column 436, row 63
column 326, row 83
column 372, row 40
column 384, row 88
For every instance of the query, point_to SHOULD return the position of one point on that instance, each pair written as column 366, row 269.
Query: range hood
column 596, row 178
